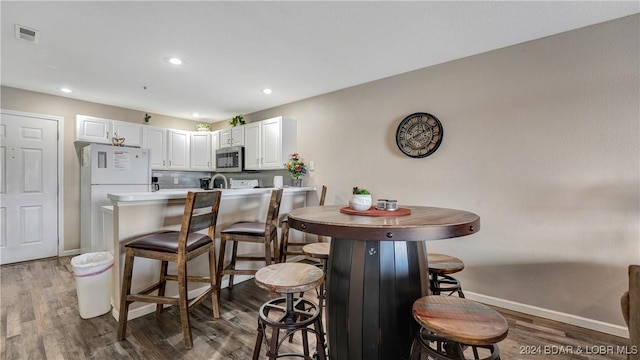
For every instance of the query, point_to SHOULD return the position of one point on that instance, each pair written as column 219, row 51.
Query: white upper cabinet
column 232, row 137
column 201, row 151
column 155, row 139
column 97, row 130
column 178, row 149
column 132, row 133
column 252, row 146
column 269, row 142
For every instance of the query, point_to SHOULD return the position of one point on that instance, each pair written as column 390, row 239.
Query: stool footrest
column 439, row 348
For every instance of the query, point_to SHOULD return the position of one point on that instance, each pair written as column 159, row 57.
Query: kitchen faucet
column 226, row 184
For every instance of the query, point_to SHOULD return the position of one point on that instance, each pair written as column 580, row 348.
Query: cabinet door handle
column 163, row 163
column 107, row 134
column 169, row 162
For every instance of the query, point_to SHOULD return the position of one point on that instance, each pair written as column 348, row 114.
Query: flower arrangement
column 296, row 166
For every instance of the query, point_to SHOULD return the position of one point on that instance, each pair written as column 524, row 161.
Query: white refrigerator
column 107, row 169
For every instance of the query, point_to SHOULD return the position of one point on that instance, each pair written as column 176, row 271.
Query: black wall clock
column 419, row 135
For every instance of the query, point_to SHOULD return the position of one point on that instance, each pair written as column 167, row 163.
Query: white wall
column 540, row 139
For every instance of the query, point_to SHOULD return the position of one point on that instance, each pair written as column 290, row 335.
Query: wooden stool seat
column 451, row 323
column 288, row 313
column 317, row 250
column 285, row 278
column 444, row 264
column 440, row 266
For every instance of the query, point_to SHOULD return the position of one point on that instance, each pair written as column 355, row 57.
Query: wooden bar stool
column 452, row 325
column 440, row 266
column 179, row 247
column 284, row 225
column 251, row 231
column 319, row 251
column 288, row 313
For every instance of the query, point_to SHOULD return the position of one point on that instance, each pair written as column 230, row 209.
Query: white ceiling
column 107, row 52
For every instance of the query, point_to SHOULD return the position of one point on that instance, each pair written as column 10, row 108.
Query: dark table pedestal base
column 371, row 288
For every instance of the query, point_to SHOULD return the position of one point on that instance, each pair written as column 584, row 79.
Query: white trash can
column 93, row 273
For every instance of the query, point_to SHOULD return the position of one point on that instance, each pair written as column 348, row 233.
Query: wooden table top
column 424, row 223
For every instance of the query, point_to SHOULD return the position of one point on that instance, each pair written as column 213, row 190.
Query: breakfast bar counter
column 140, row 213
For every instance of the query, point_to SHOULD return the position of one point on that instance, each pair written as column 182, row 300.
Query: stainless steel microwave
column 230, row 159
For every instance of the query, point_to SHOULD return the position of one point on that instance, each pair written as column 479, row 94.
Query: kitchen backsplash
column 191, row 179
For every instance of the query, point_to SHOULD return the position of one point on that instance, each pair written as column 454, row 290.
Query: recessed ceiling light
column 195, row 115
column 175, row 61
column 65, row 90
column 267, row 91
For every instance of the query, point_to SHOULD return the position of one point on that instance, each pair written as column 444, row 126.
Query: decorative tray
column 375, row 212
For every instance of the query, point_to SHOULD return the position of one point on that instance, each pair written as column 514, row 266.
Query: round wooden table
column 377, row 268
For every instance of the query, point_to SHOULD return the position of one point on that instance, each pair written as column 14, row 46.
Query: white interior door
column 28, row 188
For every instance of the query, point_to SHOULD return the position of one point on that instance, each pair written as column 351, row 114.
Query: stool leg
column 433, row 284
column 183, row 302
column 259, row 338
column 234, row 253
column 267, row 250
column 220, row 275
column 213, row 277
column 305, row 342
column 272, row 353
column 126, row 290
column 284, row 244
column 320, row 340
column 163, row 284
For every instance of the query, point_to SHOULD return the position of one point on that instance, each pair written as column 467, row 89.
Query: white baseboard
column 149, row 308
column 591, row 324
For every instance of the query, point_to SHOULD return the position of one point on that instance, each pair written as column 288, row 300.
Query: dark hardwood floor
column 40, row 320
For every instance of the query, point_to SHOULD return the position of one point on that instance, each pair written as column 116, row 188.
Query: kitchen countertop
column 170, row 194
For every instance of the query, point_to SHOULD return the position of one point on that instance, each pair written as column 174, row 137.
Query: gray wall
column 540, row 139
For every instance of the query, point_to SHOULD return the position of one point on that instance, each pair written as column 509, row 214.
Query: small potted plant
column 360, row 199
column 237, row 120
column 203, row 127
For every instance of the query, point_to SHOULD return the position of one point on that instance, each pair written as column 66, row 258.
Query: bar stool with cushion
column 452, row 326
column 440, row 268
column 289, row 314
column 179, row 247
column 285, row 243
column 251, row 231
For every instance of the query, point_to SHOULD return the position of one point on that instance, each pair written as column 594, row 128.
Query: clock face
column 419, row 135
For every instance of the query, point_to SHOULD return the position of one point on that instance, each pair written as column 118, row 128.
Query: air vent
column 25, row 33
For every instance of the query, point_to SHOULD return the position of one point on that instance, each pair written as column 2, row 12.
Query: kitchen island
column 140, row 213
